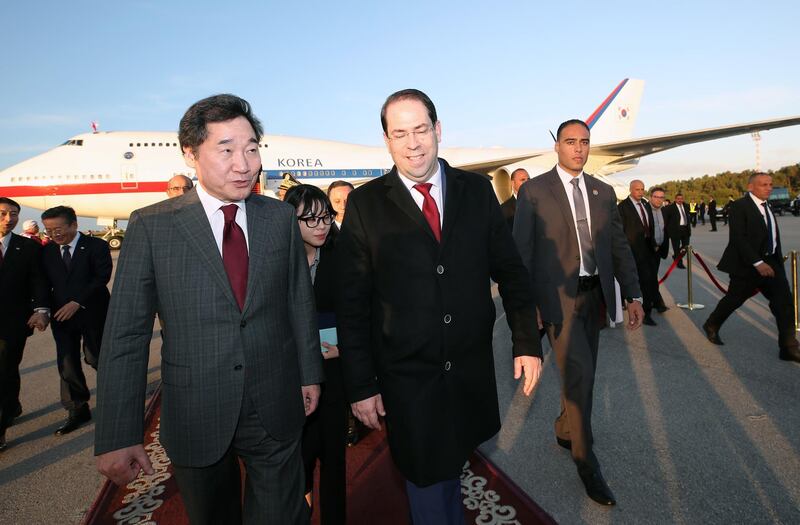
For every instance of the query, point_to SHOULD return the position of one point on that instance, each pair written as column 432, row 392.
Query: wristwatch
column 629, row 300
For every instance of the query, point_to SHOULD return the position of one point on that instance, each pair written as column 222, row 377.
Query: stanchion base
column 692, row 306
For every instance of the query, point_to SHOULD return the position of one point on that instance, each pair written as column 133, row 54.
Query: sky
column 500, row 73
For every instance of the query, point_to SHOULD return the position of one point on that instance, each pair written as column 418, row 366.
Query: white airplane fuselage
column 110, row 174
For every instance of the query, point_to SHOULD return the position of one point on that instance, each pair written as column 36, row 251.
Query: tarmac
column 685, row 431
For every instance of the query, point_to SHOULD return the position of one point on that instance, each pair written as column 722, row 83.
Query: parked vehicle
column 780, row 201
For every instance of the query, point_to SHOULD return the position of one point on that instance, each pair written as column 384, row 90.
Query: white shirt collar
column 211, row 204
column 758, row 201
column 435, row 180
column 72, row 245
column 566, row 177
column 5, row 240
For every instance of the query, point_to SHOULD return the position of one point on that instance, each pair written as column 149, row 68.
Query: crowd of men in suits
column 227, row 274
column 62, row 283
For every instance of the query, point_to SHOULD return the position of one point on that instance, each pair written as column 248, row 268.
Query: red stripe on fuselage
column 93, row 188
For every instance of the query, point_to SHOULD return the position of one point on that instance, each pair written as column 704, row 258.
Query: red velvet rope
column 672, row 267
column 710, row 275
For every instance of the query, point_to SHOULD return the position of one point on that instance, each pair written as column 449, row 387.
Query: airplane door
column 128, row 173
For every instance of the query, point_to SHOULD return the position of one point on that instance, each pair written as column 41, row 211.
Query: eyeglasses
column 402, row 136
column 313, row 220
column 179, row 188
column 54, row 231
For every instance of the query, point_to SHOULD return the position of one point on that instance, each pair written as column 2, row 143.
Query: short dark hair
column 405, row 94
column 679, row 194
column 338, row 184
column 60, row 211
column 658, row 188
column 757, row 174
column 10, row 202
column 569, row 123
column 309, row 197
column 193, row 129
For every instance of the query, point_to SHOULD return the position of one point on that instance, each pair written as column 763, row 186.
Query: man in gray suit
column 570, row 237
column 226, row 273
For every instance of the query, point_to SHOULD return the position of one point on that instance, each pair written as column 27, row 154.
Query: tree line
column 729, row 184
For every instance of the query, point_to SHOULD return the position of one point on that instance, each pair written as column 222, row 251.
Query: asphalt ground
column 686, row 432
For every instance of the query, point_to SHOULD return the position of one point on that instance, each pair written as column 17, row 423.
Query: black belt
column 588, row 282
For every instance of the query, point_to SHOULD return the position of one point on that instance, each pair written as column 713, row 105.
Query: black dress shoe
column 649, row 321
column 712, row 334
column 661, row 309
column 75, row 420
column 597, row 489
column 564, row 443
column 790, row 354
column 681, row 266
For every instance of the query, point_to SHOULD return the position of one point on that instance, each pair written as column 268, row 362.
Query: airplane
column 108, row 175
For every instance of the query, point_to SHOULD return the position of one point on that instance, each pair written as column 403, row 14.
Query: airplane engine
column 501, row 182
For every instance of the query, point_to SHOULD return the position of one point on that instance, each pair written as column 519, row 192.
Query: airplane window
column 146, row 144
column 79, row 142
column 130, row 145
column 138, row 144
column 160, row 143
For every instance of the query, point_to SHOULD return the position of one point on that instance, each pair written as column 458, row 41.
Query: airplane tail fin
column 614, row 118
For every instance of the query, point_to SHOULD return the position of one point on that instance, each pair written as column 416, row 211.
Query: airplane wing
column 488, row 165
column 626, row 150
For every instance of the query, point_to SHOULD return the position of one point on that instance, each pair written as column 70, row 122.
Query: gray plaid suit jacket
column 212, row 353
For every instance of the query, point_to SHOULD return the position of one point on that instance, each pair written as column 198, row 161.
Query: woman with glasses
column 324, row 435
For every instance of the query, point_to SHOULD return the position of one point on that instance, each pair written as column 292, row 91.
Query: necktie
column 644, row 220
column 66, row 256
column 587, row 248
column 770, row 242
column 234, row 254
column 682, row 213
column 429, row 209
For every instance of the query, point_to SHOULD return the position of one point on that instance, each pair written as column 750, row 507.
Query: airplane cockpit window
column 73, row 142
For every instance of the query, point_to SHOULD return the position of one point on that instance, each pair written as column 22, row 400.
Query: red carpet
column 375, row 490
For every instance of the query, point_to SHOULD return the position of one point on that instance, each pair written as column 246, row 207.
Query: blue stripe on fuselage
column 326, row 173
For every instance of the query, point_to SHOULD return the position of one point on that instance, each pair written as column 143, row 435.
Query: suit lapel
column 398, row 194
column 79, row 255
column 191, row 219
column 560, row 196
column 261, row 238
column 595, row 210
column 452, row 187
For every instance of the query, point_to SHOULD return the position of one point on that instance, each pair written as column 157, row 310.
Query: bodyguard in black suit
column 78, row 268
column 712, row 213
column 415, row 319
column 570, row 238
column 639, row 227
column 518, row 177
column 754, row 260
column 676, row 216
column 23, row 289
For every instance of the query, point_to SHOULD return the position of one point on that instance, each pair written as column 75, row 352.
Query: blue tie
column 770, row 243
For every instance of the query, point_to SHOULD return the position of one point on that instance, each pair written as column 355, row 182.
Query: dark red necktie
column 429, row 209
column 644, row 220
column 234, row 253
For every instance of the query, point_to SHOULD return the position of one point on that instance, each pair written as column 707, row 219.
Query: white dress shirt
column 436, row 191
column 212, row 205
column 4, row 243
column 566, row 179
column 763, row 211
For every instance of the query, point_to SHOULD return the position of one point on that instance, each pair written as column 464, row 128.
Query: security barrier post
column 691, row 305
column 794, row 289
